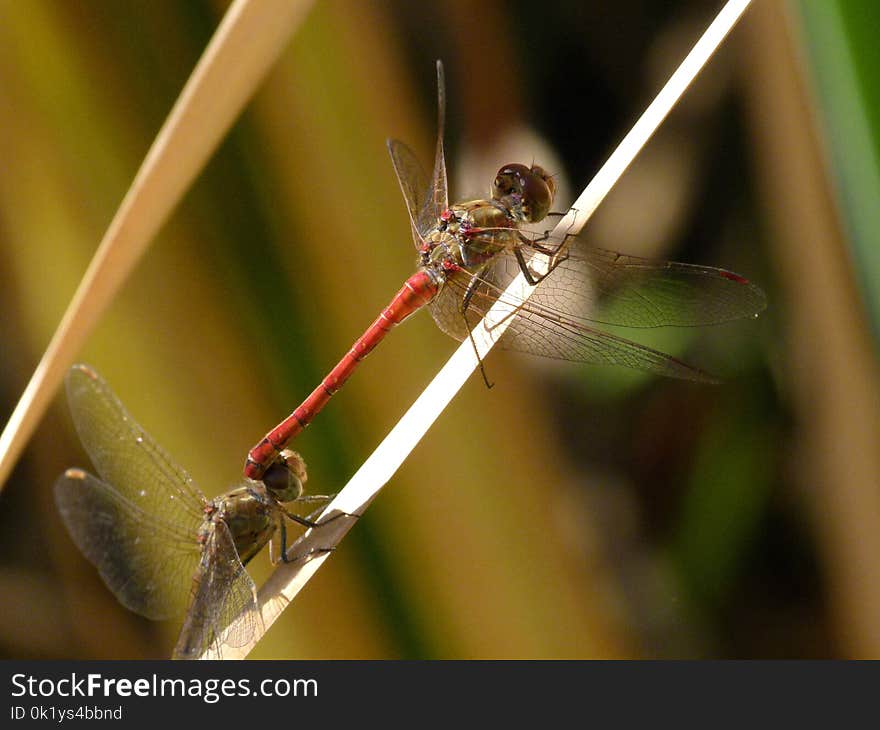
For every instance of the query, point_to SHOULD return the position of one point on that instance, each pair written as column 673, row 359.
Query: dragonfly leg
column 555, row 258
column 479, row 359
column 313, row 551
column 307, row 522
column 465, row 303
column 304, row 521
column 470, row 291
column 283, row 553
column 552, row 251
column 531, row 277
column 309, row 554
column 282, row 556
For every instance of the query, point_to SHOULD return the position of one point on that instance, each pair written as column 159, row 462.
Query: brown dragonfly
column 159, row 544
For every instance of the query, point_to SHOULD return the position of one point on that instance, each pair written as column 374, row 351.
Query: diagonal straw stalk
column 313, row 548
column 251, row 36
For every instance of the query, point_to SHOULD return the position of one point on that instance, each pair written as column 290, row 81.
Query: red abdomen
column 418, row 291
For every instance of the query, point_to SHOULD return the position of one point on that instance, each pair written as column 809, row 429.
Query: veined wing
column 126, row 456
column 222, row 591
column 437, row 195
column 593, row 285
column 145, row 561
column 424, row 201
column 540, row 330
column 413, row 183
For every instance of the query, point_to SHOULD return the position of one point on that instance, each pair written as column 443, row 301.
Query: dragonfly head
column 285, row 476
column 527, row 192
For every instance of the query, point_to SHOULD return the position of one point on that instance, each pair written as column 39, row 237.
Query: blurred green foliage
column 844, row 60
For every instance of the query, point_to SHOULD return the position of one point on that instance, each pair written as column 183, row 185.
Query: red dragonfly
column 158, row 543
column 469, row 252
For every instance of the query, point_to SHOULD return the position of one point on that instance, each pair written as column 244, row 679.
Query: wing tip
column 87, row 370
column 757, row 299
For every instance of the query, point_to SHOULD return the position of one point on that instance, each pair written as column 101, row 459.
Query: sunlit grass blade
column 247, row 42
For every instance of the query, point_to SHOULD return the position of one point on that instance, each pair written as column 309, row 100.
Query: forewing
column 222, row 594
column 145, row 562
column 126, row 456
column 437, row 195
column 599, row 286
column 541, row 331
column 425, row 201
column 413, row 183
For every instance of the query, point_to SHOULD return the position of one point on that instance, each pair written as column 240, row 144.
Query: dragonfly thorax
column 468, row 235
column 248, row 513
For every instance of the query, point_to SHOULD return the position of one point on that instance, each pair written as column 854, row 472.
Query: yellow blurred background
column 570, row 511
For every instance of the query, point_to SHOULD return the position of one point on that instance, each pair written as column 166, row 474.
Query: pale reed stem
column 247, row 42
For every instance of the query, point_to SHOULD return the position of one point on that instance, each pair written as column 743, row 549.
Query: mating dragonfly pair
column 151, row 533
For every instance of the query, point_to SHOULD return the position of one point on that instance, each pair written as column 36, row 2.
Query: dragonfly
column 468, row 254
column 159, row 544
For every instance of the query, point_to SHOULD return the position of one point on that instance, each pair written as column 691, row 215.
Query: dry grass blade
column 248, row 41
column 310, row 552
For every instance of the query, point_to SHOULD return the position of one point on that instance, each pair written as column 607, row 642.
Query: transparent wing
column 126, row 456
column 413, row 183
column 600, row 286
column 222, row 591
column 145, row 561
column 424, row 201
column 437, row 195
column 540, row 331
column 593, row 287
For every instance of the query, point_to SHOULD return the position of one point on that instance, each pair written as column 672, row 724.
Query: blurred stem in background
column 844, row 59
column 832, row 370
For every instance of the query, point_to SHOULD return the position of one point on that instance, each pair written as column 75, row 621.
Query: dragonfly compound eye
column 509, row 182
column 284, row 478
column 539, row 189
column 526, row 191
